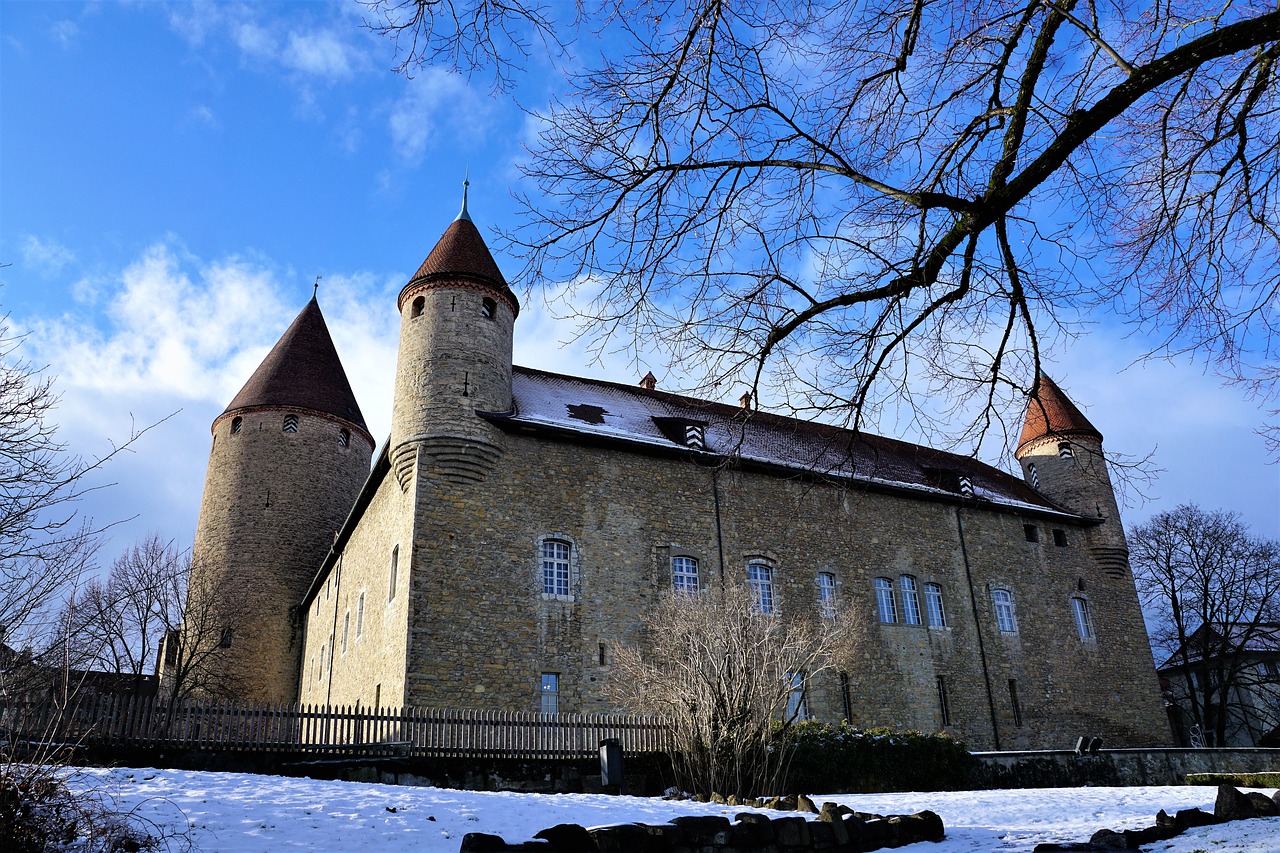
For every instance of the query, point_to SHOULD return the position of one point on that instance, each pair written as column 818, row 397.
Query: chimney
column 649, row 382
column 745, row 400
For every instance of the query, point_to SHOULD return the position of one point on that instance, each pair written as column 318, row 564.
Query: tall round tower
column 289, row 457
column 1061, row 456
column 456, row 320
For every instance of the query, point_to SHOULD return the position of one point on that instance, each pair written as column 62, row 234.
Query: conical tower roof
column 461, row 253
column 1051, row 413
column 302, row 371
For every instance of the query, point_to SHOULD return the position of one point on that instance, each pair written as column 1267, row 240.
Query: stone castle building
column 518, row 521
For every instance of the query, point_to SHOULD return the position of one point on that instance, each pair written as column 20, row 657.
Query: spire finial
column 315, row 288
column 466, row 182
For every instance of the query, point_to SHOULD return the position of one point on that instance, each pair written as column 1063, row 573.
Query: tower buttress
column 1062, row 458
column 290, row 454
column 457, row 316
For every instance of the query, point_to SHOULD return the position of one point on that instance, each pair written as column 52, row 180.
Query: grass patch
column 1270, row 779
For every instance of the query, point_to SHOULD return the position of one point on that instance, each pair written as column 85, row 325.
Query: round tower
column 1062, row 458
column 289, row 456
column 457, row 316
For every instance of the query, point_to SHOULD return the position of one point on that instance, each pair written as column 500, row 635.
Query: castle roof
column 594, row 410
column 461, row 253
column 1051, row 413
column 302, row 371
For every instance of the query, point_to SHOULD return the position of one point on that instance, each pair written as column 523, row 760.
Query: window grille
column 550, row 693
column 760, row 579
column 827, row 595
column 1080, row 611
column 885, row 604
column 1003, row 601
column 910, row 601
column 555, row 567
column 684, row 574
column 933, row 606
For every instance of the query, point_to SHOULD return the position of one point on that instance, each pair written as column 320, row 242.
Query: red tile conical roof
column 461, row 253
column 1052, row 413
column 302, row 371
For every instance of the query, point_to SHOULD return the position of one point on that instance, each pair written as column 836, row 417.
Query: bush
column 1239, row 780
column 841, row 759
column 40, row 813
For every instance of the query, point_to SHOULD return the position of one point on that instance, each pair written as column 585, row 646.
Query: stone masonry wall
column 264, row 529
column 482, row 632
column 369, row 668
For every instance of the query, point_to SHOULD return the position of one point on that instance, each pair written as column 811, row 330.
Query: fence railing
column 348, row 730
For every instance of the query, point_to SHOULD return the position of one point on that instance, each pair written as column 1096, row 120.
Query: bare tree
column 1211, row 592
column 728, row 678
column 852, row 202
column 197, row 644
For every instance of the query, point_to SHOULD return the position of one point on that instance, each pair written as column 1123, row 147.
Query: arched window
column 1084, row 625
column 488, row 308
column 910, row 600
column 554, row 558
column 1065, row 451
column 1006, row 620
column 236, row 424
column 760, row 579
column 933, row 606
column 290, row 423
column 684, row 575
column 419, row 305
column 344, row 437
column 885, row 605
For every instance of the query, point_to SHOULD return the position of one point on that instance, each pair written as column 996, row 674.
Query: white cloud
column 45, row 257
column 436, row 103
column 65, row 32
column 254, row 41
column 320, row 54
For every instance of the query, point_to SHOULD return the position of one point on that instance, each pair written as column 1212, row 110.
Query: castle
column 518, row 521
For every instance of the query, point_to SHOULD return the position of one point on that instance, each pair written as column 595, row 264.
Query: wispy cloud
column 45, row 257
column 435, row 104
column 65, row 32
column 321, row 54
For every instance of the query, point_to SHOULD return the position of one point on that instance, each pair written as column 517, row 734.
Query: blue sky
column 173, row 177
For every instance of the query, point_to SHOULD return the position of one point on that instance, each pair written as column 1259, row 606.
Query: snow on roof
column 665, row 421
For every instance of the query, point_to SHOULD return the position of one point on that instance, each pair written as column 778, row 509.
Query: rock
column 1232, row 805
column 804, row 804
column 703, row 830
column 568, row 838
column 1262, row 804
column 1135, row 838
column 1066, row 846
column 716, row 798
column 732, row 800
column 773, row 803
column 1109, row 839
column 792, row 832
column 1187, row 818
column 627, row 838
column 482, row 842
column 751, row 831
column 822, row 834
column 787, row 803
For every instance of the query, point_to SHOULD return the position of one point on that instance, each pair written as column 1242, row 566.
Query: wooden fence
column 352, row 730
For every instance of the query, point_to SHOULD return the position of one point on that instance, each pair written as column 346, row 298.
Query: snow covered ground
column 243, row 813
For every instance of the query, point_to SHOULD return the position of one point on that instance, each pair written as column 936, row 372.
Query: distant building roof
column 461, row 253
column 303, row 371
column 665, row 421
column 1051, row 413
column 1227, row 638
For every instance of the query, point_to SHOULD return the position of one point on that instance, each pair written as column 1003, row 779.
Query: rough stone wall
column 482, row 631
column 272, row 501
column 371, row 670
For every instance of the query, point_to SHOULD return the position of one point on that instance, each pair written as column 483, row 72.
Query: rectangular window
column 910, row 601
column 885, row 604
column 555, row 567
column 760, row 578
column 395, row 570
column 1060, row 538
column 796, row 706
column 1031, row 532
column 933, row 606
column 846, row 697
column 360, row 615
column 1013, row 702
column 684, row 574
column 943, row 705
column 1005, row 619
column 827, row 595
column 550, row 693
column 346, row 629
column 1080, row 610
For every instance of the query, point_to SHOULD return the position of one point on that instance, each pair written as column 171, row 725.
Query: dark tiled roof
column 1053, row 414
column 303, row 371
column 461, row 252
column 633, row 414
column 1227, row 638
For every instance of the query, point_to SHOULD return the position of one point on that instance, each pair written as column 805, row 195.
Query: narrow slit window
column 346, row 630
column 344, row 438
column 1080, row 612
column 944, row 707
column 360, row 615
column 1035, row 475
column 1014, row 703
column 846, row 696
column 393, row 571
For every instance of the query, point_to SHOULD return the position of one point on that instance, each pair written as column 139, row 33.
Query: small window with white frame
column 684, row 574
column 549, row 693
column 886, row 606
column 827, row 595
column 760, row 579
column 1084, row 623
column 933, row 609
column 555, row 567
column 1006, row 618
column 910, row 600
